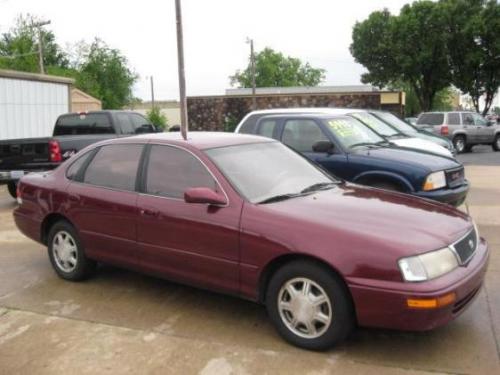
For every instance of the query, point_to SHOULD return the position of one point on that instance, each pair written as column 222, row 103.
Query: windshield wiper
column 277, row 198
column 318, row 186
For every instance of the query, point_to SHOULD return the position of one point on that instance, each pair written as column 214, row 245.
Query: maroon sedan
column 247, row 216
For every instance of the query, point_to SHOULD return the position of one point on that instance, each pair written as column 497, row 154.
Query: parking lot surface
column 123, row 322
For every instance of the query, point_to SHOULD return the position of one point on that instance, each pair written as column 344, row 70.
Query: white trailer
column 30, row 103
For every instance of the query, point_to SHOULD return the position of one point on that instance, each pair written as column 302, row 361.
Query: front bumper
column 454, row 196
column 383, row 304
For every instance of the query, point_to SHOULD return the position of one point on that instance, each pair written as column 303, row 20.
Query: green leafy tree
column 472, row 28
column 156, row 117
column 273, row 69
column 19, row 47
column 104, row 73
column 410, row 48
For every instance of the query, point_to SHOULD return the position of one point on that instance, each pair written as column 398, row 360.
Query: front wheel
column 459, row 143
column 66, row 253
column 12, row 188
column 496, row 143
column 309, row 305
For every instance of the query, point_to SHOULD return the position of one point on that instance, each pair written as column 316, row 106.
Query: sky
column 215, row 33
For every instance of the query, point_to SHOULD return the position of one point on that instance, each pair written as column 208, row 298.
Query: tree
column 19, row 47
column 410, row 47
column 474, row 47
column 103, row 72
column 157, row 118
column 273, row 69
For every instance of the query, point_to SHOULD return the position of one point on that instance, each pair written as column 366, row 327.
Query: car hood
column 427, row 161
column 422, row 144
column 358, row 217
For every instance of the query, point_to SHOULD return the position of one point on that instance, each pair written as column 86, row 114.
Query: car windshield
column 396, row 122
column 265, row 171
column 376, row 124
column 351, row 132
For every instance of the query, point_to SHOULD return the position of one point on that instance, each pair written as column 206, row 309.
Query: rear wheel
column 12, row 188
column 309, row 305
column 459, row 143
column 66, row 253
column 496, row 143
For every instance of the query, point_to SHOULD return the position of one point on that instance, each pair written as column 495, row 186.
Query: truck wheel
column 12, row 188
column 66, row 253
column 496, row 143
column 309, row 305
column 459, row 143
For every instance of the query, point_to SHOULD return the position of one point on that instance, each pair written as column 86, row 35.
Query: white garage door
column 30, row 108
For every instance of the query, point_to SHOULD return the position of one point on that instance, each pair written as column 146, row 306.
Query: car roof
column 332, row 110
column 320, row 115
column 200, row 140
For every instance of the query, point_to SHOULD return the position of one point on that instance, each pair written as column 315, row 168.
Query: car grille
column 455, row 177
column 466, row 246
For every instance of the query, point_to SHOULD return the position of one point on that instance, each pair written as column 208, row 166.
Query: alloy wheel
column 304, row 307
column 65, row 250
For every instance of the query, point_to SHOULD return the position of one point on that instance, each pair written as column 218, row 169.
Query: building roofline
column 35, row 77
column 336, row 93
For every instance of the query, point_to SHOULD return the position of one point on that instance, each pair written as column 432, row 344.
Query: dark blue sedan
column 351, row 150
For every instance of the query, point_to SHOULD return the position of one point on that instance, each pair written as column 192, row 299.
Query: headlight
column 429, row 265
column 435, row 181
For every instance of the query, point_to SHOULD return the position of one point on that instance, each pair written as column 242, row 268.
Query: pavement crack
column 495, row 333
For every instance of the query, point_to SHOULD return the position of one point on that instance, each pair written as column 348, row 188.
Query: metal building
column 30, row 103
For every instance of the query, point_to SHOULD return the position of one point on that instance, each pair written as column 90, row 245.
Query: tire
column 12, row 188
column 336, row 311
column 66, row 253
column 496, row 143
column 459, row 143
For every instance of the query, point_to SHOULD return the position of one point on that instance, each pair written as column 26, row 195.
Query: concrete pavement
column 122, row 322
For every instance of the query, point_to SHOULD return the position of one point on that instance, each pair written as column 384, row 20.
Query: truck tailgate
column 23, row 153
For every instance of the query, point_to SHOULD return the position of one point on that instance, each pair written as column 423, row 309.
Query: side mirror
column 204, row 195
column 323, row 147
column 490, row 122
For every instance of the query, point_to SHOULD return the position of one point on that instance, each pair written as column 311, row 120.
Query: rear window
column 89, row 123
column 431, row 119
column 248, row 127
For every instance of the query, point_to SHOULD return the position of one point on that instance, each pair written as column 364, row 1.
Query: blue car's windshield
column 375, row 124
column 351, row 132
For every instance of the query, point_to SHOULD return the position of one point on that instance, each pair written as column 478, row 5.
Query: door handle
column 74, row 198
column 146, row 212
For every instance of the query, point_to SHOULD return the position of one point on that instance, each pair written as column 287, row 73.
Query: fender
column 389, row 176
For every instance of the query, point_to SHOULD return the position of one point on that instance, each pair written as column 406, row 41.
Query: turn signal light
column 431, row 303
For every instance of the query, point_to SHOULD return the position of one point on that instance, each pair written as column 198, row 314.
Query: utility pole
column 252, row 67
column 152, row 92
column 182, row 78
column 39, row 25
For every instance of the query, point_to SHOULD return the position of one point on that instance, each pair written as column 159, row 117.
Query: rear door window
column 74, row 169
column 453, row 119
column 431, row 119
column 114, row 166
column 171, row 171
column 302, row 134
column 85, row 123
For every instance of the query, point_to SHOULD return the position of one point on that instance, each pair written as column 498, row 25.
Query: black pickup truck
column 72, row 132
